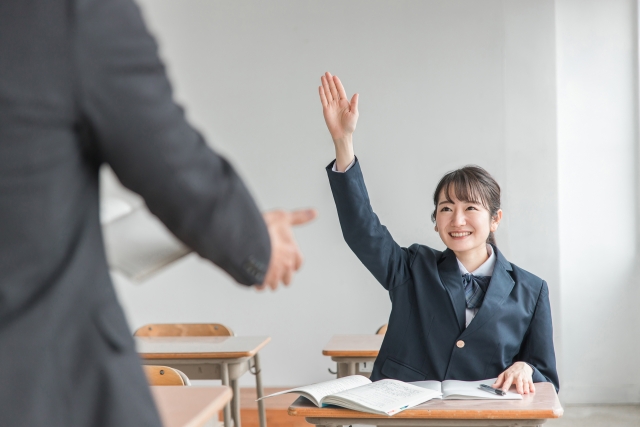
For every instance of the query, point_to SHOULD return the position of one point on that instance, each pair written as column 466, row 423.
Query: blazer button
column 460, row 344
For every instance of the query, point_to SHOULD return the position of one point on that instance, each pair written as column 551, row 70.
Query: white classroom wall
column 598, row 157
column 442, row 84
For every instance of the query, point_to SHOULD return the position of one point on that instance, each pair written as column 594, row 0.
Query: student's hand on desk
column 520, row 374
column 286, row 257
column 341, row 116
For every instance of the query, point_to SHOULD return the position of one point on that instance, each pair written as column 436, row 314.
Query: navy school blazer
column 426, row 338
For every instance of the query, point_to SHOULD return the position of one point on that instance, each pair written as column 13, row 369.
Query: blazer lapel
column 452, row 280
column 499, row 289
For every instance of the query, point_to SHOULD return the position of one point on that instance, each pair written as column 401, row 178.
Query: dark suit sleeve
column 537, row 347
column 126, row 102
column 366, row 236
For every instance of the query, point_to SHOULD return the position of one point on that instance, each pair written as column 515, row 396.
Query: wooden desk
column 224, row 358
column 533, row 410
column 189, row 406
column 349, row 350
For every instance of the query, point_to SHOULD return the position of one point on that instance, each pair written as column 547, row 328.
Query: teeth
column 461, row 234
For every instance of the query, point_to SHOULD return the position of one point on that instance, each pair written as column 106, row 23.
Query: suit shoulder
column 425, row 253
column 528, row 279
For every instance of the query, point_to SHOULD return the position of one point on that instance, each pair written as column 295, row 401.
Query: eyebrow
column 452, row 203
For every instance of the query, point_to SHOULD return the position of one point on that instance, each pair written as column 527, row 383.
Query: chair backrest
column 183, row 330
column 164, row 375
column 382, row 329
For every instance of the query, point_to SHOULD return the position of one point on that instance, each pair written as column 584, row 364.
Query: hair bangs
column 464, row 188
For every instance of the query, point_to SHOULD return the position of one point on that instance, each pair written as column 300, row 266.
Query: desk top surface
column 181, row 406
column 543, row 403
column 199, row 347
column 353, row 346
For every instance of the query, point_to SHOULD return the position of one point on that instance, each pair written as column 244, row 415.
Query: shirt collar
column 486, row 269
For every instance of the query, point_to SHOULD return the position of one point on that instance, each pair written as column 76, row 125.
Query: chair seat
column 165, row 375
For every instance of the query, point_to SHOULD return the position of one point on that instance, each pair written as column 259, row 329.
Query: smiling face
column 464, row 226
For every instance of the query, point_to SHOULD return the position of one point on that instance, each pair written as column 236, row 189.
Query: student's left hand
column 520, row 374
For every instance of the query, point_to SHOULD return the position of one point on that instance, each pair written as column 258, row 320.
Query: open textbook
column 452, row 389
column 385, row 397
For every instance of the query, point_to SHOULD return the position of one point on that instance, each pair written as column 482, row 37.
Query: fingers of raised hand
column 326, row 89
column 339, row 87
column 323, row 98
column 332, row 86
column 353, row 105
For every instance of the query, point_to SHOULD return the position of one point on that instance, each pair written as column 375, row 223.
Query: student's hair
column 470, row 184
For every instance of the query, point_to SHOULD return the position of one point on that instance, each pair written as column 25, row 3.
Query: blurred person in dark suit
column 81, row 85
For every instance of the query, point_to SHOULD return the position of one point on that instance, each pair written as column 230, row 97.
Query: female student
column 465, row 313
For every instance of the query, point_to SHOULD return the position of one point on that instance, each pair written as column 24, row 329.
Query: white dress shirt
column 335, row 165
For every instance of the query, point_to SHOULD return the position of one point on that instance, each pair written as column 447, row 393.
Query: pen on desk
column 492, row 390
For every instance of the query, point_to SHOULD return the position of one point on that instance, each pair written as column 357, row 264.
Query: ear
column 435, row 227
column 495, row 221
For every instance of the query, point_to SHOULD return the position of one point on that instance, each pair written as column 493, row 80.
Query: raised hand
column 519, row 374
column 286, row 257
column 340, row 115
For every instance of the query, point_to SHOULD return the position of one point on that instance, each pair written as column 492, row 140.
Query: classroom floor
column 598, row 416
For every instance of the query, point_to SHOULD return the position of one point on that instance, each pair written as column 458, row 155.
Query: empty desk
column 350, row 351
column 221, row 358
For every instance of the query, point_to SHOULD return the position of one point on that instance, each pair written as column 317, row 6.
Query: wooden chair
column 184, row 330
column 164, row 375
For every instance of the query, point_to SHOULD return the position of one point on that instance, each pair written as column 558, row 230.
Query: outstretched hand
column 519, row 374
column 286, row 257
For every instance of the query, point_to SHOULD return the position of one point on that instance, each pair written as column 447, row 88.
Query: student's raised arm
column 366, row 236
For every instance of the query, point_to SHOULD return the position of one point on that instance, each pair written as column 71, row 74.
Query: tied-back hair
column 470, row 184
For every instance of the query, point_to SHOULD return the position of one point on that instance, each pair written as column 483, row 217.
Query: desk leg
column 227, row 407
column 352, row 368
column 235, row 402
column 341, row 369
column 262, row 414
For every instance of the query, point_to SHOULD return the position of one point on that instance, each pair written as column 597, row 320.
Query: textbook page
column 452, row 389
column 316, row 392
column 431, row 385
column 385, row 397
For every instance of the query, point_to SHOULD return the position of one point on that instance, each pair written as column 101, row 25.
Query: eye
column 472, row 208
column 445, row 209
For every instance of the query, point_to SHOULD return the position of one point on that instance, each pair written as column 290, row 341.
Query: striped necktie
column 474, row 289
